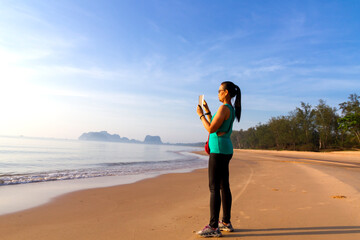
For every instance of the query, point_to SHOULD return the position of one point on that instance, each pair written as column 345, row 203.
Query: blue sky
column 137, row 67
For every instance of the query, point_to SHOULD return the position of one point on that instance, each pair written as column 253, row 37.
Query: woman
column 221, row 151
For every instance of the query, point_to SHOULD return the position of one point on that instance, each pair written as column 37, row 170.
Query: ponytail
column 234, row 90
column 238, row 103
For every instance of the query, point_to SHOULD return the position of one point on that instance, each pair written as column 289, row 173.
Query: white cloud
column 264, row 69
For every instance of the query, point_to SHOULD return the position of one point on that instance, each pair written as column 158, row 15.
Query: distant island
column 107, row 137
column 153, row 139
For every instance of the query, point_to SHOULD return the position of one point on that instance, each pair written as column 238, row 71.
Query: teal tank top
column 222, row 144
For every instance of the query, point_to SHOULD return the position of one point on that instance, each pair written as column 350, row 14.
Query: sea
column 35, row 166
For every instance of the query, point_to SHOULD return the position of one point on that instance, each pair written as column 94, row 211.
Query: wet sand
column 276, row 195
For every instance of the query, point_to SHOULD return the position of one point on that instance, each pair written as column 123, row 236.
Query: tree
column 352, row 106
column 305, row 118
column 293, row 130
column 236, row 138
column 326, row 123
column 306, row 128
column 282, row 128
column 265, row 137
column 350, row 122
column 250, row 140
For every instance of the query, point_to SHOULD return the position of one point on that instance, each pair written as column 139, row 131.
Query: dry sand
column 276, row 195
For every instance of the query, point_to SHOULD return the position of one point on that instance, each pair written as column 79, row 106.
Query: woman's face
column 222, row 93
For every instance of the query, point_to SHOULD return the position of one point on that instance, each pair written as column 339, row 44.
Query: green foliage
column 350, row 122
column 306, row 129
column 305, row 119
column 265, row 138
column 283, row 129
column 325, row 124
column 352, row 106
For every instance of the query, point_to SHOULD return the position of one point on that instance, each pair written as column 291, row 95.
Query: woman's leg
column 214, row 185
column 226, row 197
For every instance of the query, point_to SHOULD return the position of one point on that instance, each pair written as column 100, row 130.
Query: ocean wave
column 110, row 164
column 104, row 169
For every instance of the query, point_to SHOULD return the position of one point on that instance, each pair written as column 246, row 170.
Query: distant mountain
column 105, row 136
column 152, row 140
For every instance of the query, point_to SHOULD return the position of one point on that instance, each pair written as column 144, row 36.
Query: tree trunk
column 357, row 136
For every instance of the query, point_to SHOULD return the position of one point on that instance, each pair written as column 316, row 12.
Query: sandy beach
column 276, row 195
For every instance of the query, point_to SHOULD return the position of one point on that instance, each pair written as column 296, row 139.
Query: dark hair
column 234, row 90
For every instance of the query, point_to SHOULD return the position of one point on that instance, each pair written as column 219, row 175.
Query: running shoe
column 227, row 227
column 209, row 232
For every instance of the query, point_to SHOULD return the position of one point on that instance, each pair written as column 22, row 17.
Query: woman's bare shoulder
column 223, row 109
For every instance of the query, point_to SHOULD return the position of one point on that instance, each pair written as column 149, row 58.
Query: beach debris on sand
column 339, row 196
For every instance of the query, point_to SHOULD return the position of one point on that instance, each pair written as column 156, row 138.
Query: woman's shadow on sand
column 305, row 231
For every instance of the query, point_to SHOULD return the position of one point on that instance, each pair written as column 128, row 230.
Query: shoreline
column 175, row 205
column 42, row 193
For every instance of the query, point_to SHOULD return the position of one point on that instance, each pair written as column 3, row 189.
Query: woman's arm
column 222, row 114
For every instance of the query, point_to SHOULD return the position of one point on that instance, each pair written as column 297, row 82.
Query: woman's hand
column 199, row 110
column 206, row 107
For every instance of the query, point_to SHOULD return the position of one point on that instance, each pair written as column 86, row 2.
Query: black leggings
column 219, row 181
